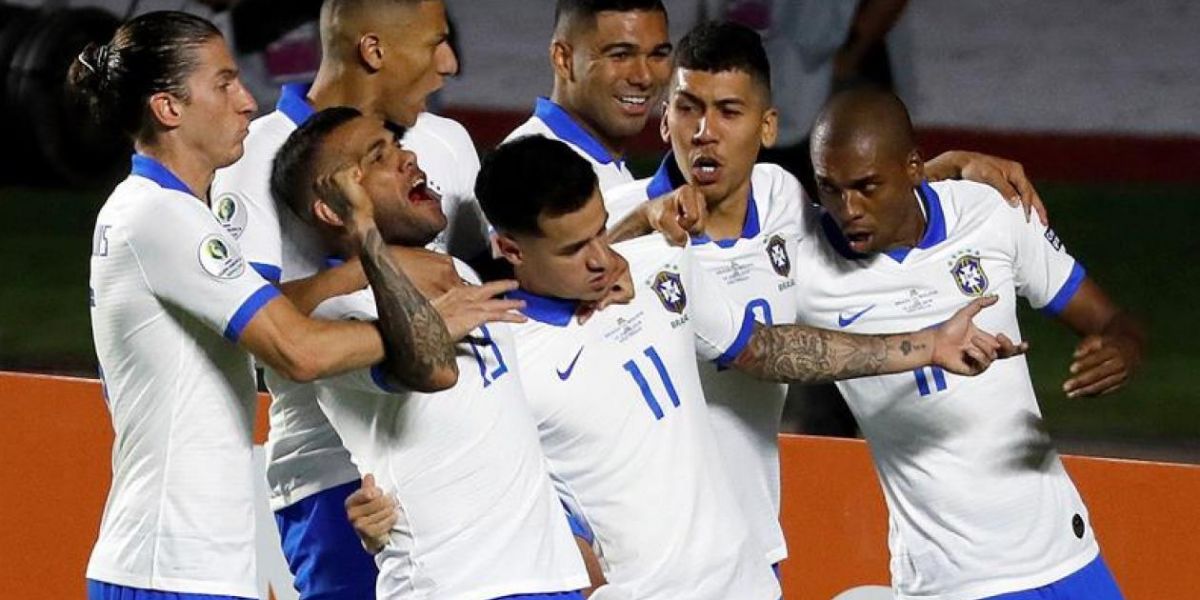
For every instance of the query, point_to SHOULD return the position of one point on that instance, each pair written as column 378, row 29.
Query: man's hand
column 432, row 273
column 372, row 513
column 620, row 290
column 465, row 307
column 962, row 348
column 679, row 214
column 342, row 191
column 1006, row 176
column 1102, row 364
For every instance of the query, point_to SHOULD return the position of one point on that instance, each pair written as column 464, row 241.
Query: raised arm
column 809, row 355
column 1112, row 346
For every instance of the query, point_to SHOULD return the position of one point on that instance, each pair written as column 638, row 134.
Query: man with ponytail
column 176, row 314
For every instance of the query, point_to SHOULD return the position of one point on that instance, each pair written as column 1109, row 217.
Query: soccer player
column 979, row 502
column 383, row 57
column 478, row 517
column 617, row 399
column 175, row 310
column 611, row 59
column 718, row 115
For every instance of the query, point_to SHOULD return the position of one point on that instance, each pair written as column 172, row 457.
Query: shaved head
column 343, row 22
column 865, row 117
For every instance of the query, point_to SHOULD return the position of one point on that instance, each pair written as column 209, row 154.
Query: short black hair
column 585, row 11
column 292, row 175
column 530, row 177
column 154, row 52
column 717, row 46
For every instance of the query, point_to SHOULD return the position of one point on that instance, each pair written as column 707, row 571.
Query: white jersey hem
column 1014, row 584
column 279, row 502
column 178, row 586
column 777, row 554
column 527, row 587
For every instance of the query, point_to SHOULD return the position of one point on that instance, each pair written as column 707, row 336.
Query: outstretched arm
column 1112, row 346
column 809, row 355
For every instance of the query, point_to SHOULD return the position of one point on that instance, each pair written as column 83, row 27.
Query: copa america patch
column 221, row 259
column 777, row 252
column 969, row 275
column 670, row 291
column 230, row 211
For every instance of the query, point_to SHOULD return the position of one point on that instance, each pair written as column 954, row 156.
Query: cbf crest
column 777, row 252
column 670, row 291
column 969, row 275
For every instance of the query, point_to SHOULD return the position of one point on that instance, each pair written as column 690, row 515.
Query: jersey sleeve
column 190, row 262
column 722, row 327
column 243, row 204
column 1044, row 273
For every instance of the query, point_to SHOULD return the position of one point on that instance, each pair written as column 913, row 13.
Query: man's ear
column 323, row 213
column 915, row 166
column 509, row 248
column 370, row 51
column 770, row 128
column 166, row 109
column 664, row 128
column 562, row 59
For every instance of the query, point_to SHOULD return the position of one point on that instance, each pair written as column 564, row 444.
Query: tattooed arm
column 418, row 349
column 810, row 355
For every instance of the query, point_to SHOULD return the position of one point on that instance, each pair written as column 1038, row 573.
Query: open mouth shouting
column 421, row 192
column 706, row 170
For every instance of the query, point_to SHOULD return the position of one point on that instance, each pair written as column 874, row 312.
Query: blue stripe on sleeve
column 271, row 273
column 247, row 310
column 579, row 528
column 738, row 344
column 1066, row 292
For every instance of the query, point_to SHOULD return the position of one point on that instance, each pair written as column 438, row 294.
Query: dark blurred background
column 1100, row 99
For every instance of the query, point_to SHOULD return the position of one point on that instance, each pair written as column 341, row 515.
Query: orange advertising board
column 56, row 436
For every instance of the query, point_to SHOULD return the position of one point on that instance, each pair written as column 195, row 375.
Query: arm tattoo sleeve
column 415, row 338
column 810, row 355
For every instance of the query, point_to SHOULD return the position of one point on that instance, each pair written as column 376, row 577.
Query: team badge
column 968, row 274
column 670, row 291
column 777, row 252
column 220, row 259
column 230, row 212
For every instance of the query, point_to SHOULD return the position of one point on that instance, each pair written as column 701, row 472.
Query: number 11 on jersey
column 648, row 394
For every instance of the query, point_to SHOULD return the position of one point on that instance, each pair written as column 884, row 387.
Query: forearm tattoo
column 808, row 355
column 415, row 338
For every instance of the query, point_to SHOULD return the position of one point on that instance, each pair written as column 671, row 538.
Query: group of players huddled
column 600, row 419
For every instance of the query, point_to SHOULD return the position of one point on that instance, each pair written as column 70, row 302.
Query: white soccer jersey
column 757, row 273
column 624, row 427
column 552, row 121
column 170, row 295
column 305, row 455
column 978, row 500
column 480, row 518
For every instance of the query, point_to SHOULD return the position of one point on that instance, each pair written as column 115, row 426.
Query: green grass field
column 1136, row 240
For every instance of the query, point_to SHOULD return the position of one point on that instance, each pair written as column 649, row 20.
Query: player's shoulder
column 778, row 196
column 650, row 253
column 267, row 135
column 447, row 131
column 967, row 197
column 142, row 202
column 622, row 199
column 532, row 126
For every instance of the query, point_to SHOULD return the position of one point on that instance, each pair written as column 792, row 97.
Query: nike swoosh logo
column 564, row 375
column 846, row 321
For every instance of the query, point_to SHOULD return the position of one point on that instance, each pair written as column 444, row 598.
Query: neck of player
column 338, row 85
column 912, row 228
column 192, row 168
column 727, row 216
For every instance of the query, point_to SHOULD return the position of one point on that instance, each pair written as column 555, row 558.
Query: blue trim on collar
column 293, row 102
column 545, row 309
column 750, row 227
column 665, row 179
column 144, row 166
column 564, row 126
column 935, row 224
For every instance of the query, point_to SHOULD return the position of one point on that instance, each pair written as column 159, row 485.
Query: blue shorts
column 1093, row 582
column 323, row 552
column 548, row 596
column 98, row 590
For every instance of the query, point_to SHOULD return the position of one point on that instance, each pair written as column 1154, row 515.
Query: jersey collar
column 144, row 166
column 935, row 228
column 568, row 130
column 668, row 177
column 293, row 102
column 545, row 309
